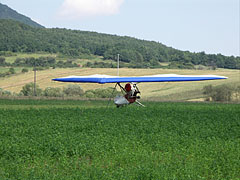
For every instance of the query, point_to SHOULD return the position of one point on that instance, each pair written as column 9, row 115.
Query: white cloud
column 77, row 9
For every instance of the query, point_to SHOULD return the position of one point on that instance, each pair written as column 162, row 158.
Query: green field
column 57, row 139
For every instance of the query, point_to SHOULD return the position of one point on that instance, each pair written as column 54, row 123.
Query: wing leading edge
column 102, row 79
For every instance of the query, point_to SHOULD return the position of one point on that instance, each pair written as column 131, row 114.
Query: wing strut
column 122, row 88
column 140, row 104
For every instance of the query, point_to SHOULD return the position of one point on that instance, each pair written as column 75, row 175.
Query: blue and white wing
column 102, row 79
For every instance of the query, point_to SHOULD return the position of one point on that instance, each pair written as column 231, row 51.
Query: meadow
column 69, row 139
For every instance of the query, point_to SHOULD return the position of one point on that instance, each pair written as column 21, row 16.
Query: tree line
column 72, row 90
column 41, row 62
column 17, row 37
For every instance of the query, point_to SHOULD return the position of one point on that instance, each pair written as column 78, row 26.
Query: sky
column 212, row 26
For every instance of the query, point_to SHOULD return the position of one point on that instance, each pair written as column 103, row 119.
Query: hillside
column 8, row 13
column 18, row 37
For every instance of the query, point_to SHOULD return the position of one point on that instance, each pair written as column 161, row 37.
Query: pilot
column 131, row 93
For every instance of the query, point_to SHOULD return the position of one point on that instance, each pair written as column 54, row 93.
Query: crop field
column 160, row 91
column 69, row 139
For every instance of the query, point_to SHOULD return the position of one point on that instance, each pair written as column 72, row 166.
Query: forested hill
column 8, row 13
column 18, row 37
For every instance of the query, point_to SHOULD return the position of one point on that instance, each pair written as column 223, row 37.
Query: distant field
column 53, row 139
column 17, row 69
column 151, row 91
column 3, row 69
column 11, row 59
column 81, row 61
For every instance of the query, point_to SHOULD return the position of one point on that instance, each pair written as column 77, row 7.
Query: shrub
column 208, row 89
column 2, row 61
column 24, row 70
column 101, row 93
column 28, row 90
column 12, row 71
column 89, row 94
column 53, row 92
column 222, row 93
column 73, row 90
column 5, row 93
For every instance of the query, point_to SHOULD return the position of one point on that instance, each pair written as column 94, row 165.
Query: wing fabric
column 102, row 79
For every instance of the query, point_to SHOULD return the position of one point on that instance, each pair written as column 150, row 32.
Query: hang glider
column 102, row 79
column 131, row 90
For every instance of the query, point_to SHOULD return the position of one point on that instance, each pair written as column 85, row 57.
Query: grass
column 169, row 91
column 55, row 139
